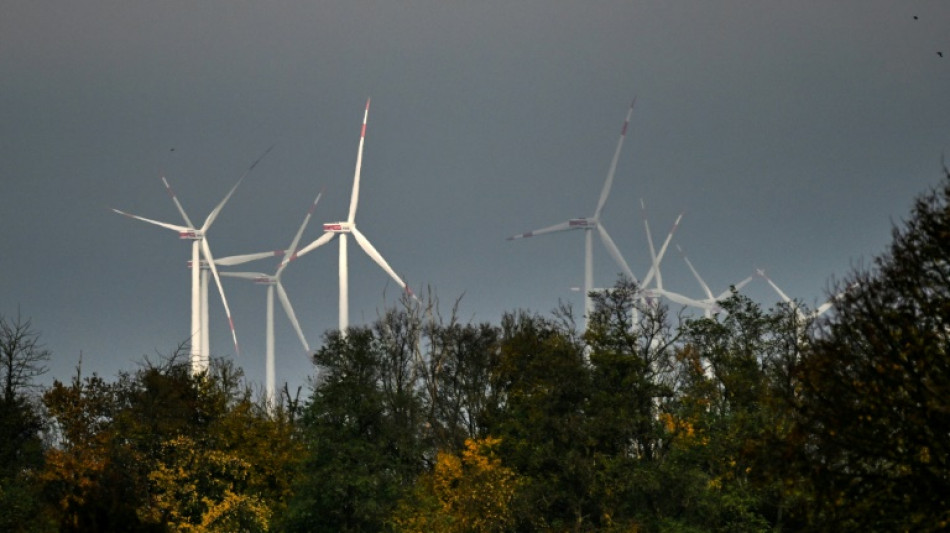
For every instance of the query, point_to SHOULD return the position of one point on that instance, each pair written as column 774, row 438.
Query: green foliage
column 361, row 430
column 543, row 384
column 162, row 449
column 22, row 359
column 875, row 387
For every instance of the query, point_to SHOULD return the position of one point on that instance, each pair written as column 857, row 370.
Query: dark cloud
column 791, row 136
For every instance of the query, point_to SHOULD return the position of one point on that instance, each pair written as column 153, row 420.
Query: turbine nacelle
column 582, row 223
column 338, row 227
column 191, row 235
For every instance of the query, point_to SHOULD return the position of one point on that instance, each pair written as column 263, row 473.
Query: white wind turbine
column 802, row 316
column 656, row 258
column 712, row 300
column 708, row 305
column 346, row 228
column 654, row 272
column 200, row 249
column 272, row 281
column 588, row 224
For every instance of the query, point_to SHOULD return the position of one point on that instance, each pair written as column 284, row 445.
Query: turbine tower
column 272, row 281
column 344, row 229
column 589, row 224
column 200, row 250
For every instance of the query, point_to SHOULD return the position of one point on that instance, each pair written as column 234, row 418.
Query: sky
column 793, row 135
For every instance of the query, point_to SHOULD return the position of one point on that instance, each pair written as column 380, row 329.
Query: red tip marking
column 278, row 253
column 624, row 130
column 363, row 133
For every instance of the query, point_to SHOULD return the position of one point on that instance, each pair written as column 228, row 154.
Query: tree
column 728, row 424
column 361, row 429
column 456, row 377
column 162, row 449
column 468, row 493
column 543, row 386
column 874, row 412
column 22, row 359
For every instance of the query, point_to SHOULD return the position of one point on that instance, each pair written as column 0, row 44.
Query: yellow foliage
column 199, row 490
column 471, row 493
column 683, row 431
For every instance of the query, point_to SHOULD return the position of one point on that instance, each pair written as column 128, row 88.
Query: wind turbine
column 656, row 258
column 588, row 224
column 712, row 300
column 272, row 281
column 200, row 249
column 820, row 310
column 344, row 229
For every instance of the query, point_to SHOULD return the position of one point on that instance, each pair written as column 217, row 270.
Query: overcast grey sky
column 793, row 134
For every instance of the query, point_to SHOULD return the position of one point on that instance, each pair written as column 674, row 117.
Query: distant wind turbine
column 588, row 224
column 200, row 250
column 346, row 228
column 712, row 300
column 820, row 310
column 656, row 258
column 272, row 281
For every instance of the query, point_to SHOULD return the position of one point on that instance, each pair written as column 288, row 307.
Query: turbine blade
column 292, row 250
column 682, row 300
column 245, row 275
column 779, row 291
column 654, row 265
column 738, row 286
column 168, row 189
column 666, row 243
column 206, row 250
column 323, row 239
column 376, row 256
column 831, row 301
column 214, row 212
column 246, row 258
column 823, row 308
column 355, row 195
column 613, row 163
column 696, row 275
column 563, row 226
column 744, row 282
column 173, row 227
column 289, row 310
column 615, row 252
column 217, row 209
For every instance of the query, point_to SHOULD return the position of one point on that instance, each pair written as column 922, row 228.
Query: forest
column 757, row 419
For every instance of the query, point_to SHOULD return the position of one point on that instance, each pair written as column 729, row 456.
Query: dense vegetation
column 754, row 420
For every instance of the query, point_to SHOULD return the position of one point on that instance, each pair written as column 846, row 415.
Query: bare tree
column 22, row 357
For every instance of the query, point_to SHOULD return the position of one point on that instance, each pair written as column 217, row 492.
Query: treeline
column 754, row 420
